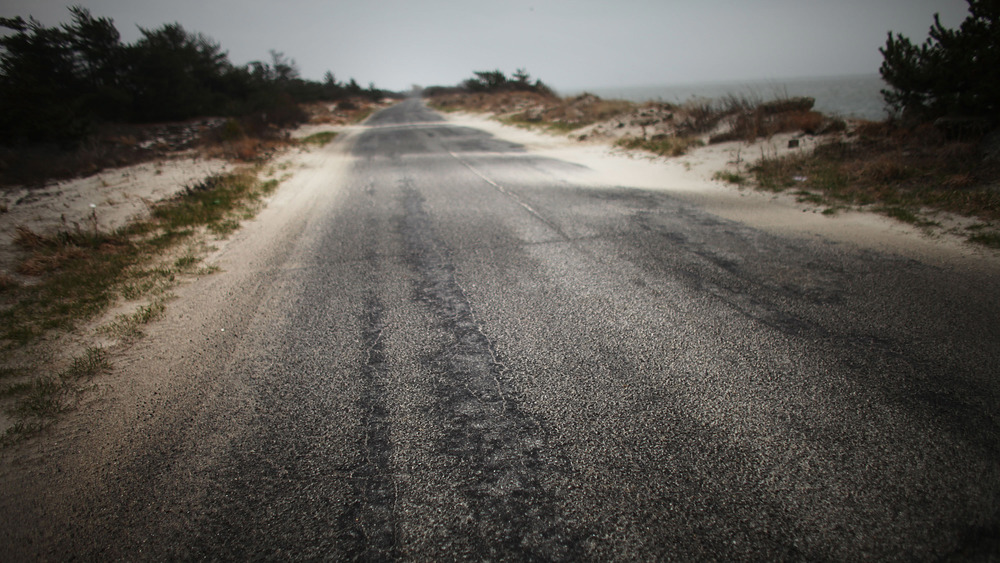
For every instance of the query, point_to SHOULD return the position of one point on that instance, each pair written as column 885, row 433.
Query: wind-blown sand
column 690, row 178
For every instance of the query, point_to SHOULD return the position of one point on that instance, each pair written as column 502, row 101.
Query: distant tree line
column 57, row 83
column 494, row 81
column 953, row 73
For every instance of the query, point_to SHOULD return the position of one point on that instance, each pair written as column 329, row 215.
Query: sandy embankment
column 104, row 201
column 690, row 178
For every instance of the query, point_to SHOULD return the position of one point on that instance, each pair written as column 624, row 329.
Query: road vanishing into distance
column 453, row 352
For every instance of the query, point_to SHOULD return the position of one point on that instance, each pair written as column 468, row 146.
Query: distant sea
column 845, row 96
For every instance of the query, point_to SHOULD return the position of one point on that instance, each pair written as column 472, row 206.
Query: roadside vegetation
column 939, row 151
column 79, row 275
column 76, row 101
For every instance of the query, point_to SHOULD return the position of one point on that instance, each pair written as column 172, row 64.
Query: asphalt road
column 466, row 356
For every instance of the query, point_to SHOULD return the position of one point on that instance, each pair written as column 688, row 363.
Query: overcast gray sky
column 568, row 44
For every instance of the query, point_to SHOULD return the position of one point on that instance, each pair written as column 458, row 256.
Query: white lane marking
column 508, row 193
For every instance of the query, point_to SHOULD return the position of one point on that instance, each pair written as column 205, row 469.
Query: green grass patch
column 91, row 363
column 901, row 214
column 225, row 227
column 990, row 238
column 39, row 400
column 268, row 187
column 730, row 177
column 549, row 126
column 207, row 203
column 186, row 262
column 362, row 115
column 319, row 139
column 129, row 327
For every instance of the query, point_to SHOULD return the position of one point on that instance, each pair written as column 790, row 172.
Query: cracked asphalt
column 465, row 356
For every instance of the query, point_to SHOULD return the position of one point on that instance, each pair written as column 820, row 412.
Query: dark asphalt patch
column 500, row 446
column 369, row 522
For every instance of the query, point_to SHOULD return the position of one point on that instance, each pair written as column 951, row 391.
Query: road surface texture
column 432, row 346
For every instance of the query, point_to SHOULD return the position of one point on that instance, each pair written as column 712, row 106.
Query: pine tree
column 954, row 72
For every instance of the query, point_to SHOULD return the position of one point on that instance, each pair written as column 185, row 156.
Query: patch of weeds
column 128, row 327
column 562, row 126
column 146, row 284
column 93, row 362
column 906, row 216
column 144, row 281
column 776, row 174
column 901, row 214
column 661, row 145
column 209, row 202
column 730, row 177
column 224, row 228
column 268, row 187
column 550, row 126
column 42, row 398
column 319, row 139
column 185, row 262
column 990, row 239
column 830, row 180
column 362, row 115
column 208, row 270
column 898, row 170
column 78, row 279
column 803, row 196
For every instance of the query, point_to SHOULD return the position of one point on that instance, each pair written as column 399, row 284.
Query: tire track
column 369, row 522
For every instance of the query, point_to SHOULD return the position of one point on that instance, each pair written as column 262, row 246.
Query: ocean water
column 856, row 96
